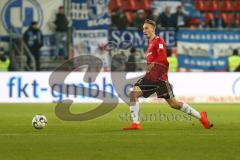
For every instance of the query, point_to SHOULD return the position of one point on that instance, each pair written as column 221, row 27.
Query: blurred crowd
column 176, row 17
column 31, row 42
column 33, row 38
column 122, row 20
column 135, row 61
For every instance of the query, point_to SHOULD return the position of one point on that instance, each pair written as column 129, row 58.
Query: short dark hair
column 34, row 23
column 132, row 50
column 61, row 7
column 235, row 52
column 149, row 21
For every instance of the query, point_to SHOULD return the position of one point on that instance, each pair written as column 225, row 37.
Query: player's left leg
column 174, row 103
column 186, row 108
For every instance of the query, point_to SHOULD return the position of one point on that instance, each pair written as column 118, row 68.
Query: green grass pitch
column 103, row 139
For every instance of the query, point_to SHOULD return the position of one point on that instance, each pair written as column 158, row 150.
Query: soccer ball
column 39, row 121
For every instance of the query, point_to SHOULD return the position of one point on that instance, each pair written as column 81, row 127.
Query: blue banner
column 137, row 38
column 206, row 49
column 204, row 63
column 211, row 36
column 90, row 14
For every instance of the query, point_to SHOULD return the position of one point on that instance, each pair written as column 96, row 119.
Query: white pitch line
column 99, row 134
column 24, row 134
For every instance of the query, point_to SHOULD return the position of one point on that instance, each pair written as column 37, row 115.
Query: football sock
column 189, row 110
column 134, row 109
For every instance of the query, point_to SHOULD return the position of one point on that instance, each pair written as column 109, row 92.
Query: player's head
column 149, row 27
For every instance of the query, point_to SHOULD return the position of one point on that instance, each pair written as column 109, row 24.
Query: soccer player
column 156, row 80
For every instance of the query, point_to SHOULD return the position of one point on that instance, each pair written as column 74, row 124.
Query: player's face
column 148, row 30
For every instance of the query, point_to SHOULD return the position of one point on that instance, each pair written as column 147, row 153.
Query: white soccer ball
column 39, row 121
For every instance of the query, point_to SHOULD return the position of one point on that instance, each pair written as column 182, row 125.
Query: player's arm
column 150, row 61
column 150, row 66
column 158, row 47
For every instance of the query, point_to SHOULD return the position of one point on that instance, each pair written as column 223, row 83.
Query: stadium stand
column 128, row 15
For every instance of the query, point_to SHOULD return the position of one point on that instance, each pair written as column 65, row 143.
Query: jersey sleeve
column 159, row 46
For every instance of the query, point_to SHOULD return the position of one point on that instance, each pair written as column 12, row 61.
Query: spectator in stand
column 195, row 23
column 151, row 14
column 4, row 61
column 234, row 62
column 165, row 18
column 217, row 21
column 139, row 19
column 179, row 18
column 118, row 19
column 131, row 65
column 119, row 61
column 34, row 40
column 61, row 24
column 173, row 61
column 236, row 21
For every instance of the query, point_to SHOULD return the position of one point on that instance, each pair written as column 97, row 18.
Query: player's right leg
column 134, row 109
column 144, row 88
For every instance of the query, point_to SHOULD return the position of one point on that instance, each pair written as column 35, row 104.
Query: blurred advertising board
column 90, row 14
column 206, row 49
column 34, row 87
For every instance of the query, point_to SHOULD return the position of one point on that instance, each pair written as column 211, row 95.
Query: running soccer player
column 156, row 80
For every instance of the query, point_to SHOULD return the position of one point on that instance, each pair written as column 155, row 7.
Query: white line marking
column 126, row 133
